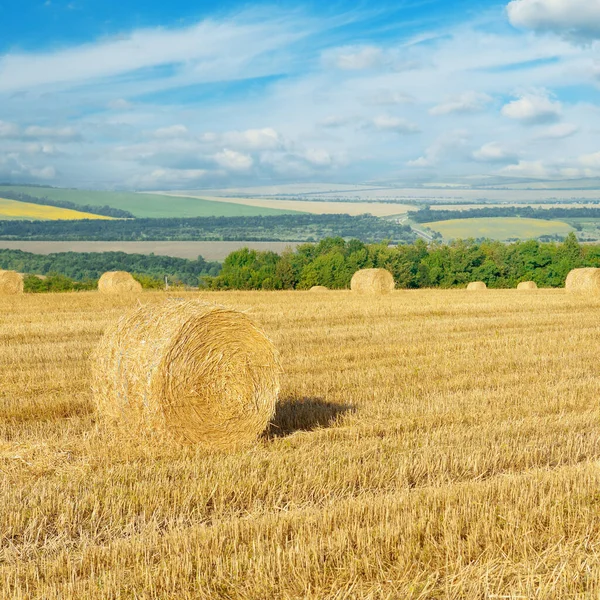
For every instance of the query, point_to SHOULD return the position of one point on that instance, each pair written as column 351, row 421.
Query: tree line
column 333, row 261
column 428, row 215
column 89, row 266
column 293, row 228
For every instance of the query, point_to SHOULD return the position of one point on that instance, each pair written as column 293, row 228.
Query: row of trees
column 293, row 227
column 88, row 266
column 333, row 261
column 429, row 215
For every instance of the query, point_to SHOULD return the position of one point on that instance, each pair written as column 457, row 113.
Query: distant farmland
column 149, row 205
column 499, row 228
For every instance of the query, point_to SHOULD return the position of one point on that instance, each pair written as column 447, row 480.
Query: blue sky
column 186, row 94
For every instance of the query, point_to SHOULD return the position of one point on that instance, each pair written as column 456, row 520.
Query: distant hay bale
column 11, row 282
column 476, row 286
column 372, row 281
column 319, row 288
column 527, row 285
column 199, row 372
column 118, row 282
column 583, row 280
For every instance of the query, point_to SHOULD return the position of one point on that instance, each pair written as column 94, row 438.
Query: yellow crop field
column 13, row 209
column 427, row 445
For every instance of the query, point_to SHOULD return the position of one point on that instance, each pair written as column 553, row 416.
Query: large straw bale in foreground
column 476, row 286
column 372, row 281
column 583, row 280
column 118, row 282
column 527, row 285
column 11, row 282
column 200, row 372
column 319, row 288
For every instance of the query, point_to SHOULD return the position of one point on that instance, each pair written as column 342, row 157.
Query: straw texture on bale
column 527, row 285
column 118, row 282
column 319, row 288
column 11, row 282
column 583, row 280
column 372, row 281
column 475, row 286
column 201, row 373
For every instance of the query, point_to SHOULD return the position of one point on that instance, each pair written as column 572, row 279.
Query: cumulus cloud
column 174, row 131
column 8, row 130
column 169, row 178
column 254, row 139
column 494, row 152
column 63, row 134
column 449, row 143
column 120, row 104
column 469, row 102
column 558, row 132
column 527, row 169
column 233, row 160
column 533, row 108
column 334, row 121
column 389, row 98
column 358, row 58
column 318, row 157
column 394, row 124
column 574, row 19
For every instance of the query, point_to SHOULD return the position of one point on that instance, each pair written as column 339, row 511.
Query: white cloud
column 43, row 173
column 234, row 161
column 335, row 121
column 395, row 124
column 208, row 50
column 469, row 102
column 574, row 19
column 558, row 132
column 527, row 169
column 64, row 134
column 8, row 130
column 174, row 131
column 253, row 139
column 533, row 108
column 357, row 58
column 120, row 104
column 449, row 143
column 318, row 157
column 42, row 148
column 169, row 177
column 389, row 97
column 494, row 152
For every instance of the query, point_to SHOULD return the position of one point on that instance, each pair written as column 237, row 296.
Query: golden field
column 13, row 209
column 428, row 444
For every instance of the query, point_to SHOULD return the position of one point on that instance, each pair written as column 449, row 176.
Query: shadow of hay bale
column 304, row 414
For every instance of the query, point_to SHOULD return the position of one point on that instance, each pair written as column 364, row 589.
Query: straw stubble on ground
column 428, row 444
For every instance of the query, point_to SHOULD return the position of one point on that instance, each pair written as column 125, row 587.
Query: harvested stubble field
column 429, row 444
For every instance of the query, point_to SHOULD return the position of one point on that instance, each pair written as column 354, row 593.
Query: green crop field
column 498, row 228
column 148, row 205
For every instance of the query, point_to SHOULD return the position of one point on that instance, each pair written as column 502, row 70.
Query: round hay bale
column 118, row 282
column 583, row 280
column 476, row 286
column 319, row 288
column 11, row 282
column 201, row 373
column 372, row 281
column 527, row 285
